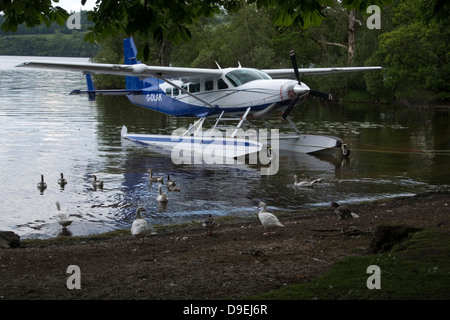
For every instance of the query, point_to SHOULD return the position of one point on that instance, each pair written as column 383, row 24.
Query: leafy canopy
column 161, row 19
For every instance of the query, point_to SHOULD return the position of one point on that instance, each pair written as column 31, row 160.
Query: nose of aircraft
column 301, row 89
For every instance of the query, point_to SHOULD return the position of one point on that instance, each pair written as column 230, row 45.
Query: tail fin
column 90, row 87
column 130, row 53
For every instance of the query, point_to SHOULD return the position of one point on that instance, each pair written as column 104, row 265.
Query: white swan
column 155, row 179
column 209, row 224
column 268, row 220
column 303, row 183
column 162, row 196
column 139, row 226
column 315, row 180
column 62, row 217
column 343, row 212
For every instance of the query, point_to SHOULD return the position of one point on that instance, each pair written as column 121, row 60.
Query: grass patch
column 417, row 269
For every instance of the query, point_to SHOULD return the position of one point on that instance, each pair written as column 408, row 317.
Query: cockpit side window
column 221, row 84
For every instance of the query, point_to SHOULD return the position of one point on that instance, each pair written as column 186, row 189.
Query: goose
column 162, row 196
column 97, row 183
column 170, row 182
column 343, row 212
column 62, row 217
column 209, row 224
column 42, row 185
column 303, row 183
column 139, row 226
column 268, row 220
column 173, row 188
column 155, row 179
column 62, row 182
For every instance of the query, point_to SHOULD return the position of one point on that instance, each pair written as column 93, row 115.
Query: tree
column 414, row 55
column 160, row 19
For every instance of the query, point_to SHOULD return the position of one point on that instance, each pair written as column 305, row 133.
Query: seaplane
column 232, row 107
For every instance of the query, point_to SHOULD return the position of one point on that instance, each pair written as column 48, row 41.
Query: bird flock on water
column 140, row 228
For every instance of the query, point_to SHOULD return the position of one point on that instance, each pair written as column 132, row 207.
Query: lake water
column 395, row 151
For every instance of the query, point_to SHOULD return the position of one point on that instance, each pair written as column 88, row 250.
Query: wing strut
column 187, row 92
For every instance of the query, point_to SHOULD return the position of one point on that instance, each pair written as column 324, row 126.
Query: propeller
column 291, row 105
column 323, row 95
column 294, row 65
column 294, row 100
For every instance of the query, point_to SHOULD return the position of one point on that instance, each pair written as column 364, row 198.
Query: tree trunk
column 351, row 35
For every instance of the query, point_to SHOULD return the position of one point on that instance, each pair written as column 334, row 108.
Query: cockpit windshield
column 240, row 76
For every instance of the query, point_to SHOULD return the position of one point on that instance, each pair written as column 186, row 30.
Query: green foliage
column 157, row 20
column 58, row 44
column 412, row 45
column 160, row 20
column 32, row 13
column 417, row 269
column 415, row 56
column 48, row 40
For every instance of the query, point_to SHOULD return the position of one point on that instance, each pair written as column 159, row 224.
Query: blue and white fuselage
column 234, row 91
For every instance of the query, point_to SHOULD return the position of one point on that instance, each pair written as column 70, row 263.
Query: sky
column 75, row 5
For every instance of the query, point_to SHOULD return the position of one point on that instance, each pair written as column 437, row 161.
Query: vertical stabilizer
column 90, row 87
column 130, row 53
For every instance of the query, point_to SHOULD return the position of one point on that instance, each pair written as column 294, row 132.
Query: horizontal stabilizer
column 111, row 92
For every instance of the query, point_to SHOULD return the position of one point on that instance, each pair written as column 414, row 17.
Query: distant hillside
column 56, row 45
column 55, row 40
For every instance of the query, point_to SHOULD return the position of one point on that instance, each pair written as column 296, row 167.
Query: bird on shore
column 344, row 212
column 303, row 183
column 42, row 185
column 139, row 226
column 209, row 224
column 62, row 218
column 162, row 196
column 155, row 179
column 268, row 220
column 97, row 183
column 61, row 181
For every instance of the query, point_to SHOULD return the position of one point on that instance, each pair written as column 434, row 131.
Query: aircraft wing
column 142, row 70
column 134, row 70
column 289, row 73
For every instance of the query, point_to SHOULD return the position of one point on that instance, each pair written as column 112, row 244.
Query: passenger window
column 185, row 88
column 175, row 91
column 209, row 85
column 194, row 87
column 221, row 84
column 169, row 92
